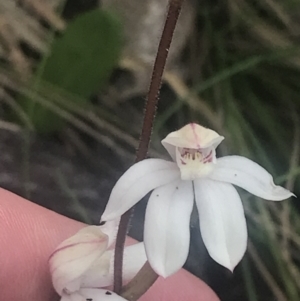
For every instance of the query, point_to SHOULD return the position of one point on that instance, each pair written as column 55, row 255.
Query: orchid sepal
column 250, row 176
column 147, row 175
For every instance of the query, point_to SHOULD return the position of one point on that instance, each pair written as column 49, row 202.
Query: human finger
column 30, row 233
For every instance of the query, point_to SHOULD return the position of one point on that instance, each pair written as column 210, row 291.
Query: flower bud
column 74, row 257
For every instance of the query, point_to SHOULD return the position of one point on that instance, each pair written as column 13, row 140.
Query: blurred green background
column 78, row 71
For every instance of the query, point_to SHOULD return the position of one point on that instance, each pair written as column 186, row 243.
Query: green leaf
column 80, row 62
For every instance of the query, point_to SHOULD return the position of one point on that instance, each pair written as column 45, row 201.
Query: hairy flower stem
column 146, row 277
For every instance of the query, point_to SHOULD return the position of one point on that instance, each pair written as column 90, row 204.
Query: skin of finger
column 28, row 235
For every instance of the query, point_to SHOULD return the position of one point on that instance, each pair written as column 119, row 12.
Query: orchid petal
column 222, row 221
column 91, row 294
column 74, row 256
column 191, row 136
column 136, row 182
column 167, row 231
column 72, row 297
column 250, row 176
column 100, row 276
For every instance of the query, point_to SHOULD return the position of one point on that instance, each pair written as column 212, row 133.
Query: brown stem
column 140, row 283
column 119, row 249
column 135, row 288
column 156, row 80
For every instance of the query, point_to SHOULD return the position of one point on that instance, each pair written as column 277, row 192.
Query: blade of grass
column 248, row 279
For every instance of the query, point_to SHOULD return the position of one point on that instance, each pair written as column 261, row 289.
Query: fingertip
column 182, row 286
column 33, row 232
column 29, row 233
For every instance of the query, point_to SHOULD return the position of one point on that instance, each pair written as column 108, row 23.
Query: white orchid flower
column 196, row 174
column 92, row 294
column 82, row 266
